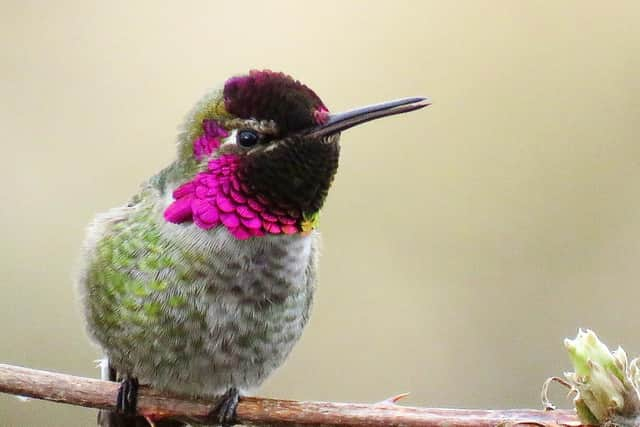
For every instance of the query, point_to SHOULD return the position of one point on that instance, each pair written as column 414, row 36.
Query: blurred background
column 462, row 243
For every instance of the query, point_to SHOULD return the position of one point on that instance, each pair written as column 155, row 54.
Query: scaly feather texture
column 194, row 311
column 202, row 284
column 204, row 281
column 274, row 96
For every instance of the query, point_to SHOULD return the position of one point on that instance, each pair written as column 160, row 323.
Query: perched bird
column 203, row 282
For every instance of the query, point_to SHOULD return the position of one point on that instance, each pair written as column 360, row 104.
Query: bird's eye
column 248, row 138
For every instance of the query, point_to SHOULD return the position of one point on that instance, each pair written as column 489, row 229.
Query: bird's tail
column 114, row 419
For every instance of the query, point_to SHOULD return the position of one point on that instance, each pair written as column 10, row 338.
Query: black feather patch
column 295, row 176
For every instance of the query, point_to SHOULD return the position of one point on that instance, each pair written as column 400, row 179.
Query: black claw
column 225, row 409
column 128, row 396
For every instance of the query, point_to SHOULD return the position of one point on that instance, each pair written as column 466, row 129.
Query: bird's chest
column 248, row 303
column 245, row 285
column 249, row 275
column 217, row 312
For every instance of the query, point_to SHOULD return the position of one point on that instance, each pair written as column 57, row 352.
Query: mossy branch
column 98, row 394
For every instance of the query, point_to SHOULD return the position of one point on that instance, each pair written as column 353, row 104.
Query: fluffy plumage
column 204, row 280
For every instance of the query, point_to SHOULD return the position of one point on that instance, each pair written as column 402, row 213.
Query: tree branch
column 252, row 410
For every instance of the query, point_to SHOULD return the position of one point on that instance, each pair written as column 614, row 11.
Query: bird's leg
column 225, row 410
column 128, row 396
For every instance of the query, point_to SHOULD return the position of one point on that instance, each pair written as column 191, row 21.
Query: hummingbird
column 203, row 282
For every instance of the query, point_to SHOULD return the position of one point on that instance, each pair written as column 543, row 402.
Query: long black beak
column 341, row 121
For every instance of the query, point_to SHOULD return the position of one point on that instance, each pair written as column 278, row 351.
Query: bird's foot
column 128, row 396
column 225, row 410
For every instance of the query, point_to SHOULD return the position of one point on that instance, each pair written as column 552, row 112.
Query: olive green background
column 462, row 242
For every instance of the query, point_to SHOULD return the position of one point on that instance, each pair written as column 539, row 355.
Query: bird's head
column 262, row 153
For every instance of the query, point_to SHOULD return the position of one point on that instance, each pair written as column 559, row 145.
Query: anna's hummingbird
column 203, row 282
